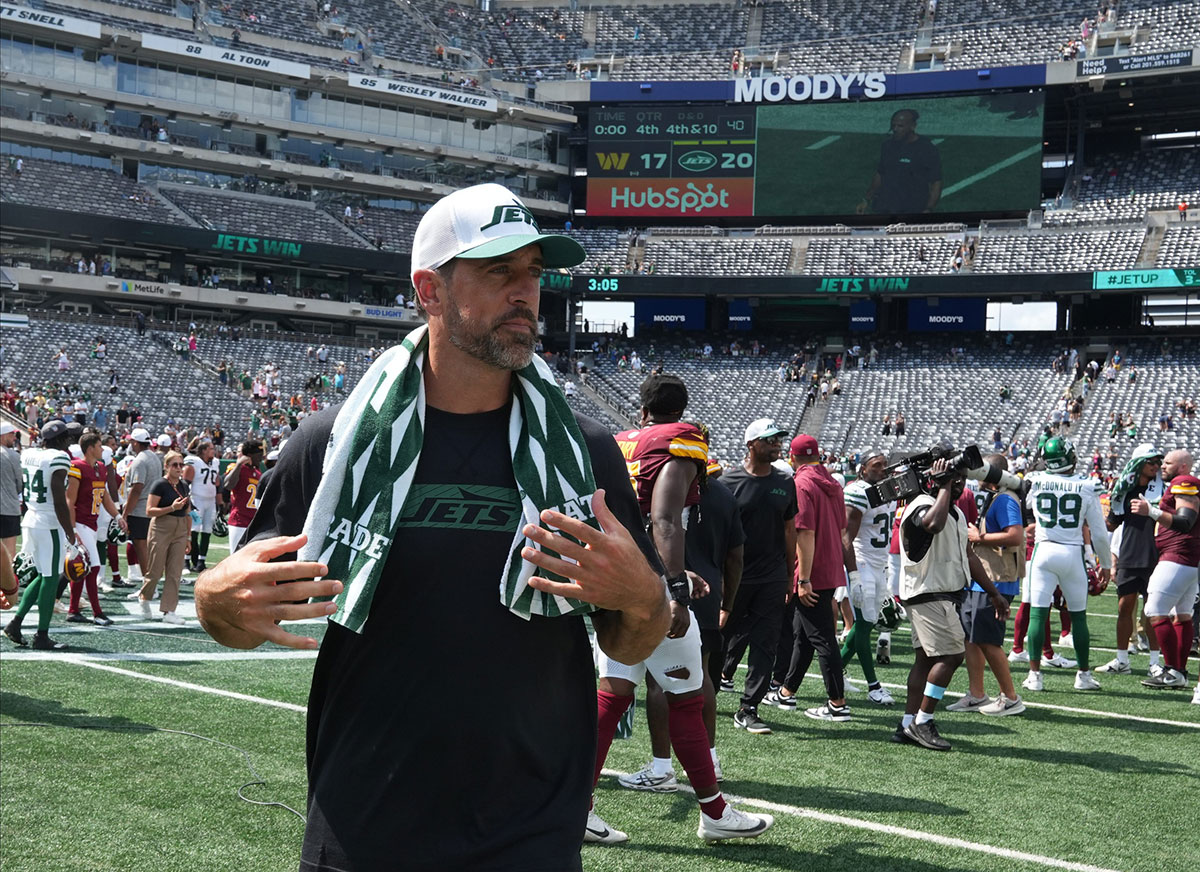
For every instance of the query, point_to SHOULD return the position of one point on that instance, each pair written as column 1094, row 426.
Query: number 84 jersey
column 1062, row 504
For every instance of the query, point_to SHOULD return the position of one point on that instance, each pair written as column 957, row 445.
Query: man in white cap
column 453, row 463
column 767, row 503
column 10, row 492
column 145, row 469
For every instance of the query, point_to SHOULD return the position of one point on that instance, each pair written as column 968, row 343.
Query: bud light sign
column 669, row 313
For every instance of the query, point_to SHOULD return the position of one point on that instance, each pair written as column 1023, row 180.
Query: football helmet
column 1059, row 455
column 220, row 525
column 76, row 564
column 1095, row 585
column 891, row 613
column 115, row 533
column 24, row 568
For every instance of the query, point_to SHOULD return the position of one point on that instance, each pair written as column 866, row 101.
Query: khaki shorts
column 936, row 628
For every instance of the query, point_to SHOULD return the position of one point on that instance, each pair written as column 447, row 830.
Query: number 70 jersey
column 1062, row 504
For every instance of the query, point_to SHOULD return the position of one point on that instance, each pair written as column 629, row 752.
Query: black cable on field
column 258, row 779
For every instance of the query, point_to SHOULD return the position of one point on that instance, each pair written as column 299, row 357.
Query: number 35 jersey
column 1061, row 505
column 875, row 528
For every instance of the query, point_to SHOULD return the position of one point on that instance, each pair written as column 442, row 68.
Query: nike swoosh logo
column 601, row 833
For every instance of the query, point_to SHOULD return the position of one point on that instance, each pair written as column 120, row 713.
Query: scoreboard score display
column 978, row 153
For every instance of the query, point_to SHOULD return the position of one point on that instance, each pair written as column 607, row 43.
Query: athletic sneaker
column 1018, row 657
column 1067, row 641
column 829, row 712
column 102, row 620
column 43, row 642
column 748, row 720
column 60, row 608
column 775, row 698
column 880, row 696
column 1169, row 677
column 926, row 735
column 733, row 824
column 727, row 685
column 1033, row 681
column 1143, row 644
column 1116, row 667
column 883, row 651
column 717, row 771
column 145, row 607
column 1155, row 670
column 1003, row 706
column 849, row 685
column 900, row 737
column 172, row 618
column 1196, row 695
column 1084, row 680
column 969, row 703
column 77, row 618
column 599, row 833
column 1059, row 662
column 646, row 779
column 14, row 634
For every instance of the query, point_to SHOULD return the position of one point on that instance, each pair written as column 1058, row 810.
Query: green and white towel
column 372, row 459
column 1129, row 477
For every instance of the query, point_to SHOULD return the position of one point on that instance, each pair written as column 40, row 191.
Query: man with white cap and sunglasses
column 145, row 469
column 459, row 514
column 11, row 484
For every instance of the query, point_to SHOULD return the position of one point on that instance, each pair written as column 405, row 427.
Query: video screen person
column 908, row 178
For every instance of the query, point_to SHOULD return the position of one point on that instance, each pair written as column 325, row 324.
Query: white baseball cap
column 140, row 434
column 106, row 455
column 6, row 428
column 486, row 221
column 763, row 428
column 164, row 441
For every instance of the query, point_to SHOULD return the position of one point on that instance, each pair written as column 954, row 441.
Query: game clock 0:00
column 672, row 142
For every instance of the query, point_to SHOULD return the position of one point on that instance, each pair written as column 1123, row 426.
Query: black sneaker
column 102, row 620
column 13, row 631
column 900, row 737
column 926, row 735
column 76, row 618
column 200, row 567
column 748, row 720
column 726, row 685
column 119, row 582
column 777, row 699
column 43, row 642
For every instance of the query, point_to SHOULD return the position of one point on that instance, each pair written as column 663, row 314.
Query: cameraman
column 938, row 562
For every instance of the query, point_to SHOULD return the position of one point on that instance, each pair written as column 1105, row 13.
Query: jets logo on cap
column 511, row 213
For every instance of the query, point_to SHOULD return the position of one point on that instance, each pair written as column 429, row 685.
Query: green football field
column 127, row 751
column 819, row 159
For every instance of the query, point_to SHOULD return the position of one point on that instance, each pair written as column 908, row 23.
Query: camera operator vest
column 1001, row 564
column 943, row 569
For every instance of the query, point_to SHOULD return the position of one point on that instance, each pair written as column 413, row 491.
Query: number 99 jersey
column 1061, row 505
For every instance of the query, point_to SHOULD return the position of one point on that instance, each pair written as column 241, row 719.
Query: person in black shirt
column 394, row 782
column 908, row 177
column 766, row 500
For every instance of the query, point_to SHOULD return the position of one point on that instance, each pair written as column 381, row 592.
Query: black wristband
column 679, row 589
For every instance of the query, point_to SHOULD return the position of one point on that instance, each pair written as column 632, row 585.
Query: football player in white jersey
column 47, row 530
column 1062, row 504
column 865, row 551
column 202, row 471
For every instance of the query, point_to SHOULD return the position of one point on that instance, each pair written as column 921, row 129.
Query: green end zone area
column 820, row 159
column 1064, row 786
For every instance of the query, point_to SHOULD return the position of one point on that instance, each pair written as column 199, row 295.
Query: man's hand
column 1105, row 578
column 1139, row 507
column 723, row 619
column 239, row 601
column 1000, row 604
column 805, row 593
column 681, row 619
column 857, row 594
column 973, row 534
column 700, row 587
column 609, row 571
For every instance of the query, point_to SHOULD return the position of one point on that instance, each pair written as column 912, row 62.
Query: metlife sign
column 669, row 313
column 950, row 314
column 49, row 20
column 230, row 56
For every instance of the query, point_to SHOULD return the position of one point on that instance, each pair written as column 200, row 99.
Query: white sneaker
column 647, row 779
column 1155, row 671
column 970, row 703
column 1196, row 695
column 734, row 824
column 850, row 686
column 1143, row 643
column 880, row 696
column 1033, row 681
column 1084, row 680
column 1115, row 667
column 1067, row 641
column 717, row 771
column 1059, row 662
column 1003, row 706
column 145, row 605
column 1018, row 656
column 598, row 832
column 172, row 618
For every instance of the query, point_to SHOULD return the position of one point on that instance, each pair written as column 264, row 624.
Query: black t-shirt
column 906, row 170
column 168, row 493
column 765, row 503
column 1138, row 550
column 713, row 531
column 399, row 779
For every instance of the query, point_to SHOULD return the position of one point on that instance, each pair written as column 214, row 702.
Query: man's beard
column 487, row 344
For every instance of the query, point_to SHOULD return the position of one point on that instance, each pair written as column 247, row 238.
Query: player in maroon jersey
column 242, row 483
column 667, row 460
column 1173, row 584
column 87, row 494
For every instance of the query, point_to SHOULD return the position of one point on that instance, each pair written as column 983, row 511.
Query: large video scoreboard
column 979, row 153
